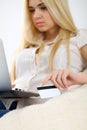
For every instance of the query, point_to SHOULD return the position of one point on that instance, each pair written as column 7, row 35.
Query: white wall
column 10, row 22
column 10, row 26
column 79, row 9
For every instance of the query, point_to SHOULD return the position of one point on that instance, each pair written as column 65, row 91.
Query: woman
column 50, row 42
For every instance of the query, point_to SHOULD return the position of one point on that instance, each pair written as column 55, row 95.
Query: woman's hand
column 13, row 85
column 63, row 78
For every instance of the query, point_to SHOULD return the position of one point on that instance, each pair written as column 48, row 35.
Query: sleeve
column 81, row 38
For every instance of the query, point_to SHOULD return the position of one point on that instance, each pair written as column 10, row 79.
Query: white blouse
column 29, row 76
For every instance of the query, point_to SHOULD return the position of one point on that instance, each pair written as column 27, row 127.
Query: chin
column 42, row 29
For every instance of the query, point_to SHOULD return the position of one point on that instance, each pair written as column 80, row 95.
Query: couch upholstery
column 65, row 112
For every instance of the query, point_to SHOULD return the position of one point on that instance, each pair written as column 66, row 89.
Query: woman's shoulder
column 82, row 33
column 81, row 38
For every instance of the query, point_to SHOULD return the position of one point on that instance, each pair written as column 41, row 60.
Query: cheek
column 50, row 23
column 33, row 20
column 49, row 19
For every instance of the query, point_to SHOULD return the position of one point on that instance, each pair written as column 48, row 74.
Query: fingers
column 13, row 85
column 64, row 78
column 46, row 80
column 58, row 78
column 54, row 80
column 61, row 79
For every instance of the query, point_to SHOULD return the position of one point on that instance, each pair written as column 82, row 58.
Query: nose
column 37, row 14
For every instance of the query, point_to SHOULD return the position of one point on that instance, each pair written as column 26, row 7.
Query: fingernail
column 41, row 84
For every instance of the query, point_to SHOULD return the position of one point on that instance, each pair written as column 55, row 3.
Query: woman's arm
column 83, row 51
column 63, row 78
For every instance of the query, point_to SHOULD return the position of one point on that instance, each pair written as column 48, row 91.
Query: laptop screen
column 5, row 83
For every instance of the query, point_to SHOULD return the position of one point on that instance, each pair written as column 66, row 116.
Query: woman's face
column 40, row 16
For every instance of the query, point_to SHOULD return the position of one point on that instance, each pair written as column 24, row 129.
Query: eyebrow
column 40, row 4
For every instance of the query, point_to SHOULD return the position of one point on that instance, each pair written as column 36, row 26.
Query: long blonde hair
column 60, row 12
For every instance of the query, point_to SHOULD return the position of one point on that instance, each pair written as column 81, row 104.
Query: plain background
column 11, row 12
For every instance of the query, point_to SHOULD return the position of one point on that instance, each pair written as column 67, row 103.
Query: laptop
column 6, row 90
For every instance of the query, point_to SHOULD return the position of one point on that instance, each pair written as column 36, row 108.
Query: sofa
column 65, row 112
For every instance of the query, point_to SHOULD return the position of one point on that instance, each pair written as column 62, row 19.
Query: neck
column 51, row 35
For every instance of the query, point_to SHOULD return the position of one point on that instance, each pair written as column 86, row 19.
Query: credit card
column 48, row 91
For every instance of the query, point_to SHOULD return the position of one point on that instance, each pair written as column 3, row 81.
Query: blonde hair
column 60, row 12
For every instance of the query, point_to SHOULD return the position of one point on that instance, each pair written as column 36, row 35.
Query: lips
column 39, row 24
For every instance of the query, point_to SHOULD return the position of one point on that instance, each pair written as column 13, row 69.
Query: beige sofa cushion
column 66, row 112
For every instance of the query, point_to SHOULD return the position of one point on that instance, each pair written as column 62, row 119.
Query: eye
column 43, row 8
column 31, row 10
